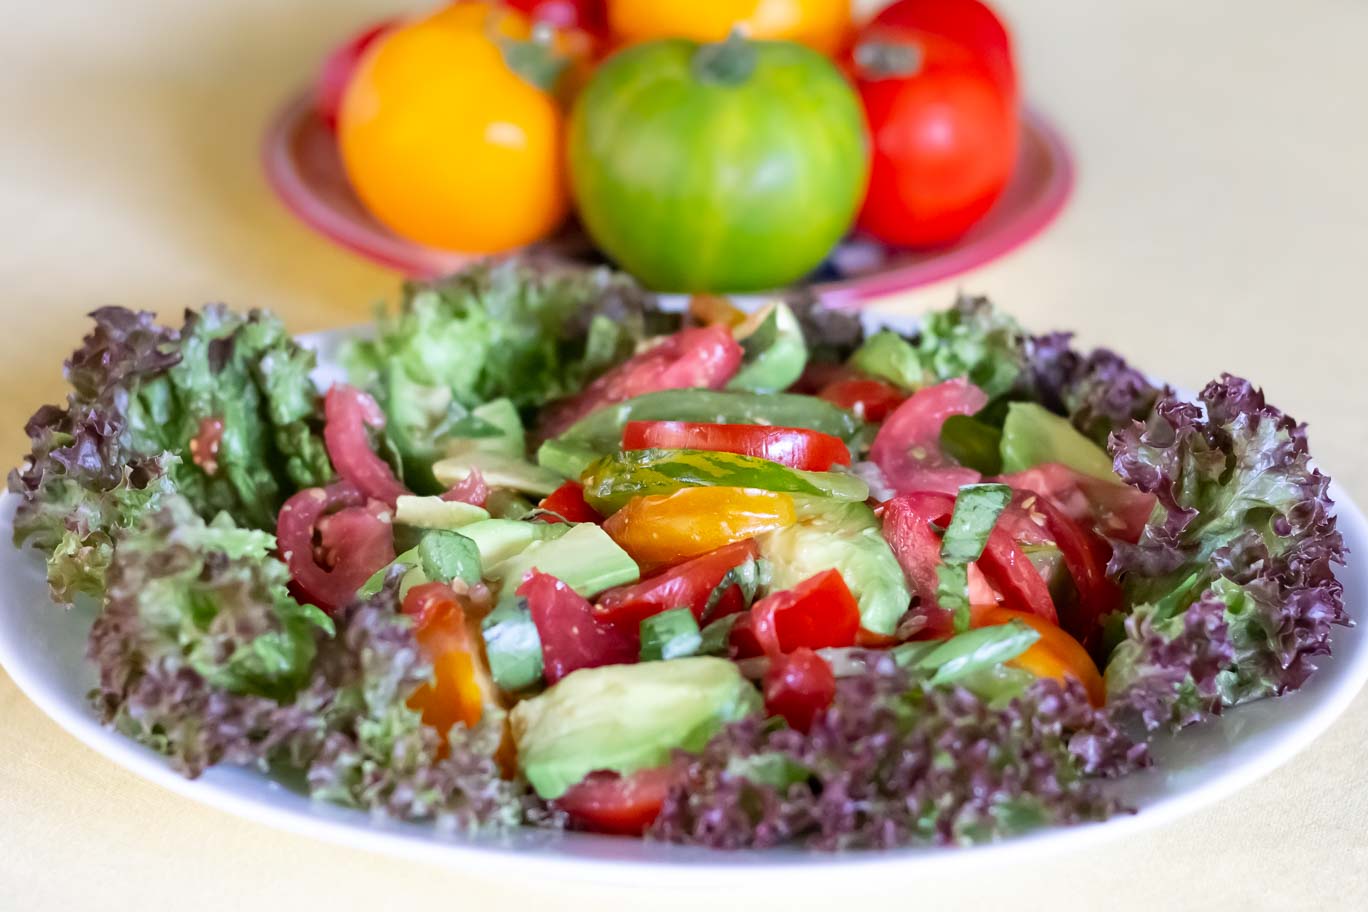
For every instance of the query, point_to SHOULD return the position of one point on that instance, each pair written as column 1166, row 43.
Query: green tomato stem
column 728, row 62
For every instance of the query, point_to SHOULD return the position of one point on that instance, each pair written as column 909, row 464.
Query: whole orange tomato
column 820, row 24
column 450, row 133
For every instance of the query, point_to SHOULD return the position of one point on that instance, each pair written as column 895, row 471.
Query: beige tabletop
column 1220, row 223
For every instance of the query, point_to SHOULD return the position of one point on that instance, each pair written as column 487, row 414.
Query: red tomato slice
column 684, row 585
column 1085, row 554
column 907, row 521
column 799, row 686
column 797, row 448
column 330, row 588
column 472, row 490
column 817, row 613
column 361, row 536
column 605, row 802
column 348, row 413
column 568, row 501
column 705, row 357
column 871, row 400
column 1116, row 509
column 571, row 637
column 907, row 447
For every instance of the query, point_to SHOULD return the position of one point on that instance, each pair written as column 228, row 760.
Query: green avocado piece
column 847, row 537
column 584, row 558
column 775, row 353
column 1032, row 434
column 499, row 471
column 626, row 718
column 434, row 513
column 500, row 539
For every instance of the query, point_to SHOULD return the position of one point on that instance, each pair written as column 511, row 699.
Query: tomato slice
column 907, row 447
column 354, row 556
column 441, row 627
column 686, row 585
column 665, row 529
column 907, row 521
column 1055, row 655
column 1085, row 554
column 799, row 686
column 361, row 536
column 798, row 448
column 1117, row 510
column 705, row 357
column 606, row 802
column 571, row 636
column 472, row 490
column 348, row 413
column 819, row 612
column 870, row 399
column 568, row 501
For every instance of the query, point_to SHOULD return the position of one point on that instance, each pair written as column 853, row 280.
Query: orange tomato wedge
column 664, row 529
column 449, row 636
column 1055, row 655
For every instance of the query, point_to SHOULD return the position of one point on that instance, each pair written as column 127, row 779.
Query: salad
column 554, row 556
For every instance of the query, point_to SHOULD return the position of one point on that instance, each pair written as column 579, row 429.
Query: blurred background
column 1218, row 222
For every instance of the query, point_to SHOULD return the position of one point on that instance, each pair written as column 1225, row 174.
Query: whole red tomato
column 969, row 23
column 944, row 136
column 338, row 68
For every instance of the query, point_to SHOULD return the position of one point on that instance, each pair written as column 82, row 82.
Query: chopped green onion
column 513, row 646
column 671, row 634
column 750, row 577
column 977, row 508
column 978, row 649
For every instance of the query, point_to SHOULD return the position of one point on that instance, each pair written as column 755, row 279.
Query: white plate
column 43, row 649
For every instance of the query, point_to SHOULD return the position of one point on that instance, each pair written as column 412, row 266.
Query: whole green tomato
column 724, row 167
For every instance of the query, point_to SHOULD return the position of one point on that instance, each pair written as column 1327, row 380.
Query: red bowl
column 301, row 161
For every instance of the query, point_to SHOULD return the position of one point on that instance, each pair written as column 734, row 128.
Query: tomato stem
column 883, row 59
column 535, row 60
column 727, row 62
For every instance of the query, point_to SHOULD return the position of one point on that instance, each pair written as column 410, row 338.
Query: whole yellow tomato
column 447, row 138
column 820, row 24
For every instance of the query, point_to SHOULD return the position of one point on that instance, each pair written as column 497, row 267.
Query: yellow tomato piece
column 449, row 146
column 665, row 529
column 1055, row 655
column 708, row 309
column 820, row 24
column 449, row 636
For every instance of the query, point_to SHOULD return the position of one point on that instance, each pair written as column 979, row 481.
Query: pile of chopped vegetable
column 557, row 557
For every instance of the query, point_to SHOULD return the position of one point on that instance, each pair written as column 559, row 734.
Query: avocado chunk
column 847, row 537
column 626, row 718
column 888, row 356
column 775, row 353
column 1032, row 434
column 584, row 558
column 435, row 513
column 500, row 539
column 499, row 471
